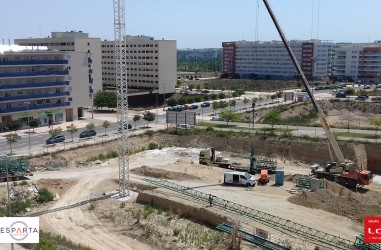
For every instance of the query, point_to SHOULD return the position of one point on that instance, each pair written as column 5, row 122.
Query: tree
column 106, row 124
column 198, row 86
column 349, row 91
column 272, row 118
column 232, row 103
column 171, row 102
column 90, row 126
column 239, row 92
column 182, row 101
column 148, row 117
column 213, row 96
column 34, row 123
column 198, row 99
column 136, row 118
column 245, row 101
column 205, row 97
column 72, row 129
column 362, row 92
column 105, row 99
column 12, row 138
column 376, row 121
column 215, row 106
column 223, row 104
column 191, row 86
column 14, row 125
column 221, row 95
column 230, row 115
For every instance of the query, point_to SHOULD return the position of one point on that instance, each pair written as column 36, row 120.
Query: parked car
column 361, row 98
column 205, row 91
column 87, row 133
column 341, row 95
column 205, row 104
column 126, row 126
column 193, row 106
column 55, row 139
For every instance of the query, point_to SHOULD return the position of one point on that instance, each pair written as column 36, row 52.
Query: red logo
column 372, row 229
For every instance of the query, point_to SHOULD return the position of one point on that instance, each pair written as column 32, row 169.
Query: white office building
column 151, row 64
column 270, row 60
column 359, row 61
column 52, row 86
column 72, row 41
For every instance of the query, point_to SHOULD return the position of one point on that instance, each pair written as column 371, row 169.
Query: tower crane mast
column 122, row 99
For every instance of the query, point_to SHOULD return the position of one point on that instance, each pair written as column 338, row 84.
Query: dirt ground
column 109, row 226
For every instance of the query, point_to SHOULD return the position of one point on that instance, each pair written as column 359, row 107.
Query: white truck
column 239, row 178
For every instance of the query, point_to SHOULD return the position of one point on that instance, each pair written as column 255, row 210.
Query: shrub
column 149, row 133
column 19, row 206
column 152, row 146
column 44, row 195
column 209, row 128
column 176, row 232
column 23, row 183
column 91, row 207
column 46, row 243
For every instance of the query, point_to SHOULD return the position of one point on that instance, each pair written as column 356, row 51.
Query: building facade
column 51, row 86
column 151, row 64
column 72, row 41
column 270, row 60
column 359, row 61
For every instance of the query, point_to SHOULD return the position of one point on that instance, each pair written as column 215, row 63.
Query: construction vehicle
column 342, row 171
column 209, row 157
column 239, row 178
column 15, row 167
column 257, row 165
column 264, row 178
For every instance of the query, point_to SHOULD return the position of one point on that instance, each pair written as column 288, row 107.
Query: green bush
column 152, row 146
column 176, row 232
column 46, row 243
column 149, row 133
column 44, row 195
column 209, row 128
column 23, row 183
column 19, row 206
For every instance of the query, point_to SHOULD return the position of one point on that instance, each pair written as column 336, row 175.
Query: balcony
column 89, row 60
column 33, row 96
column 34, row 73
column 33, row 85
column 34, row 107
column 91, row 80
column 90, row 71
column 34, row 62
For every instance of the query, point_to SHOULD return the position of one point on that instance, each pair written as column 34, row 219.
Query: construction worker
column 210, row 199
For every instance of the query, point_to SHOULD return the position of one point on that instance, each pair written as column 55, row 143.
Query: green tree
column 362, row 92
column 14, row 125
column 232, row 103
column 191, row 86
column 272, row 118
column 221, row 95
column 105, row 99
column 182, row 101
column 205, row 97
column 106, row 124
column 190, row 100
column 376, row 121
column 349, row 91
column 34, row 123
column 12, row 138
column 90, row 126
column 148, row 117
column 72, row 129
column 198, row 86
column 136, row 118
column 215, row 106
column 198, row 99
column 171, row 102
column 213, row 96
column 235, row 94
column 223, row 104
column 230, row 115
column 245, row 101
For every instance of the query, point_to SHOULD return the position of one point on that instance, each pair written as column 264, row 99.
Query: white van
column 239, row 178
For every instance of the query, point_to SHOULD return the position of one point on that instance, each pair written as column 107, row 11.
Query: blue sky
column 196, row 23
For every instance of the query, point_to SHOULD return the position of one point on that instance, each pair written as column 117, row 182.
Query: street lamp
column 27, row 112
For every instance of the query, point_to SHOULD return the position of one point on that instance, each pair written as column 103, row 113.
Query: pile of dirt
column 339, row 200
column 162, row 174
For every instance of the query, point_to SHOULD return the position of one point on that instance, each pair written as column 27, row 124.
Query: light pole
column 27, row 112
column 253, row 106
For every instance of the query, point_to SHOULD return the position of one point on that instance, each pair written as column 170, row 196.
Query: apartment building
column 52, row 86
column 359, row 61
column 151, row 64
column 72, row 41
column 270, row 60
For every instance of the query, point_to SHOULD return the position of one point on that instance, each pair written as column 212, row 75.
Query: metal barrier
column 259, row 216
column 360, row 244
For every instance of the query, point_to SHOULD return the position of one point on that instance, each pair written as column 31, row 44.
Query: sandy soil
column 82, row 226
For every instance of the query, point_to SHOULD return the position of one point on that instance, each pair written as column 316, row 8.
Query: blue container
column 279, row 177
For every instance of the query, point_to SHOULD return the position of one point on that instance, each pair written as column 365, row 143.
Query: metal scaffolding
column 122, row 99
